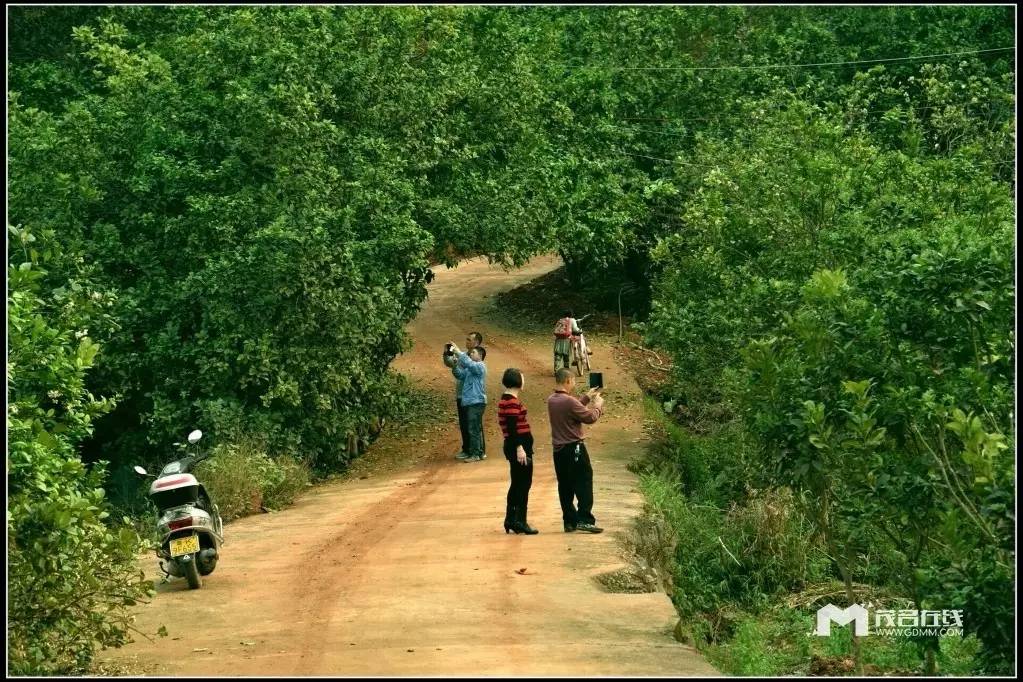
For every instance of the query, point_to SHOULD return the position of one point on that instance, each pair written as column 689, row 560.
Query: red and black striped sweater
column 511, row 415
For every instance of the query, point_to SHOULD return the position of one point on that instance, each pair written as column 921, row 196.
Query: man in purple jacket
column 571, row 461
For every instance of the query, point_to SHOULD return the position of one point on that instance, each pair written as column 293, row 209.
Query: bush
column 712, row 468
column 283, row 479
column 864, row 340
column 743, row 555
column 241, row 478
column 71, row 570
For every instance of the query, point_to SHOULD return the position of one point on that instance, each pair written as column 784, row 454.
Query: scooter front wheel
column 192, row 574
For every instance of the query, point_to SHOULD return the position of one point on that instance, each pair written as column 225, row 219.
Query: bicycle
column 579, row 354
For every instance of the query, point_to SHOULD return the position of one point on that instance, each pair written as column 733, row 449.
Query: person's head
column 478, row 354
column 568, row 313
column 513, row 379
column 565, row 379
column 473, row 339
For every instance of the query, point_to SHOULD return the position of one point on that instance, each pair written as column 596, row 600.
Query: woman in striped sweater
column 518, row 450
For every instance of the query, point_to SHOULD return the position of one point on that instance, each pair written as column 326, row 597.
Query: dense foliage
column 840, row 281
column 254, row 195
column 71, row 569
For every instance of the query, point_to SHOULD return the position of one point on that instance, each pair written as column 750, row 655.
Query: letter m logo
column 827, row 614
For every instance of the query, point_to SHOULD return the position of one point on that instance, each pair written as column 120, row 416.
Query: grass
column 775, row 642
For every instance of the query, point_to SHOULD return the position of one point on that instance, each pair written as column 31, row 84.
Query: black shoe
column 521, row 522
column 569, row 528
column 588, row 528
column 523, row 527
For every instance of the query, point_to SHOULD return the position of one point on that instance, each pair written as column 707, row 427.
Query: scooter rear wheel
column 192, row 575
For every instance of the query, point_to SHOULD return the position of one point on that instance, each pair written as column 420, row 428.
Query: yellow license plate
column 189, row 545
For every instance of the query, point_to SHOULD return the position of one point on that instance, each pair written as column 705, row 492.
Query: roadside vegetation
column 747, row 575
column 223, row 217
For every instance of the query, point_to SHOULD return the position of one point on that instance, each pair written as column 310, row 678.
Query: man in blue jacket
column 451, row 361
column 472, row 372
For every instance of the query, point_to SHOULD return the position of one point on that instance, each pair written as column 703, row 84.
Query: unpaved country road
column 411, row 573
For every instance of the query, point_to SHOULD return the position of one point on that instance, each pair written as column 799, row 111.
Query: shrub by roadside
column 242, row 478
column 744, row 555
column 747, row 573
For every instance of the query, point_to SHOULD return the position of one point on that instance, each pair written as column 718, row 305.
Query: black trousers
column 521, row 477
column 575, row 482
column 463, row 424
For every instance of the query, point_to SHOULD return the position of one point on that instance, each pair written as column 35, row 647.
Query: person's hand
column 521, row 454
column 454, row 348
column 598, row 402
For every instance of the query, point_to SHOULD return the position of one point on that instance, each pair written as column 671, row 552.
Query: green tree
column 72, row 574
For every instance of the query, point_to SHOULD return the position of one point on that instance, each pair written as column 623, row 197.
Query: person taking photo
column 450, row 360
column 472, row 371
column 571, row 459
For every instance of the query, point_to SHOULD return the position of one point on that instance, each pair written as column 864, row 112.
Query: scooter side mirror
column 140, row 471
column 194, row 437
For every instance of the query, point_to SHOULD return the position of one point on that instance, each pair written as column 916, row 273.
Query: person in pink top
column 571, row 461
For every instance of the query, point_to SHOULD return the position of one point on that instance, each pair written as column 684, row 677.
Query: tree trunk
column 842, row 560
column 930, row 664
column 851, row 597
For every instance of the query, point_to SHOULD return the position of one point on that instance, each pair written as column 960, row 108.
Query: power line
column 787, row 66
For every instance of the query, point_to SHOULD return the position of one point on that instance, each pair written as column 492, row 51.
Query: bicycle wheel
column 578, row 361
column 585, row 354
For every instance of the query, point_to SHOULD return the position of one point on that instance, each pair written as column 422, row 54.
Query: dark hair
column 483, row 352
column 478, row 337
column 562, row 375
column 512, row 378
column 568, row 313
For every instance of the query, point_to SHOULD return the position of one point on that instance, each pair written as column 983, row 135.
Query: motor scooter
column 188, row 522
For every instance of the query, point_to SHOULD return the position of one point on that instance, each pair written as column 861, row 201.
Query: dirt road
column 411, row 573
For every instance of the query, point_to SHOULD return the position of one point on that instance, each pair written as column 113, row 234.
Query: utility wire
column 787, row 66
